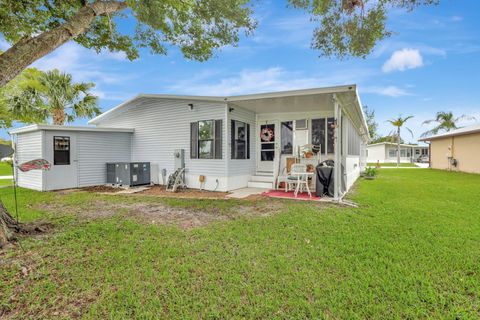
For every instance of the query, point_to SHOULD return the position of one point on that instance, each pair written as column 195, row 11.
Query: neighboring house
column 457, row 150
column 385, row 152
column 234, row 142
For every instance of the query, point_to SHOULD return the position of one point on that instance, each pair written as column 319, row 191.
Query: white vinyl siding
column 163, row 125
column 95, row 149
column 29, row 147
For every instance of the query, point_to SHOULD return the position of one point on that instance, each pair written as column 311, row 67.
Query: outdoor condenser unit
column 128, row 173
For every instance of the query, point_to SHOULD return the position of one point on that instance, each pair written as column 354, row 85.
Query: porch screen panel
column 331, row 135
column 287, row 137
column 354, row 140
column 318, row 133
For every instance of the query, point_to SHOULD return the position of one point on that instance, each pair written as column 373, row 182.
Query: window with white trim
column 61, row 150
column 206, row 139
column 240, row 139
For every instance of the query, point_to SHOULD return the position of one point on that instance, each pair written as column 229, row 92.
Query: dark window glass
column 330, row 135
column 318, row 133
column 240, row 136
column 206, row 139
column 61, row 150
column 287, row 137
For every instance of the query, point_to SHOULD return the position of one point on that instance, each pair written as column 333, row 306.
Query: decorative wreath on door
column 266, row 134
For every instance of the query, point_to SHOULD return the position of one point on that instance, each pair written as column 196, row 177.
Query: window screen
column 323, row 133
column 61, row 150
column 240, row 140
column 287, row 137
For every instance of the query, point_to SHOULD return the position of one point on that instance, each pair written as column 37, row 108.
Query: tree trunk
column 398, row 147
column 58, row 117
column 8, row 226
column 28, row 50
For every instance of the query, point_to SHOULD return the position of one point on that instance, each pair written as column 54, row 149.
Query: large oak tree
column 198, row 27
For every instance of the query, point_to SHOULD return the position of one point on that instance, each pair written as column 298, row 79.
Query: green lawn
column 411, row 250
column 389, row 164
column 5, row 182
column 5, row 169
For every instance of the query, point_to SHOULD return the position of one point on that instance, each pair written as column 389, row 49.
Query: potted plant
column 370, row 173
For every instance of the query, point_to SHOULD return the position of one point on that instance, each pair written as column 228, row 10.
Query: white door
column 61, row 152
column 268, row 140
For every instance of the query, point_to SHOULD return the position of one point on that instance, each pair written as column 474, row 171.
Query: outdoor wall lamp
column 190, row 105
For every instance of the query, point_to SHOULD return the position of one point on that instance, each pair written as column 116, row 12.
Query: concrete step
column 261, row 178
column 258, row 184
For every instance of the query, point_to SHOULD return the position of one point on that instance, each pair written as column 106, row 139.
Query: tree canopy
column 445, row 121
column 41, row 96
column 198, row 27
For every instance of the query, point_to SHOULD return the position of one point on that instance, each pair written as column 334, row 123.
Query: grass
column 5, row 182
column 411, row 250
column 390, row 164
column 5, row 169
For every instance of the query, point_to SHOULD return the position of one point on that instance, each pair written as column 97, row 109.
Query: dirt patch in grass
column 103, row 189
column 163, row 214
column 183, row 193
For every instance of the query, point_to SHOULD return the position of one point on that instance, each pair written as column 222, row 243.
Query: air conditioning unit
column 301, row 124
column 128, row 173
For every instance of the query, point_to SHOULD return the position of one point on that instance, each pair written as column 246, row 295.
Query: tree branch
column 26, row 51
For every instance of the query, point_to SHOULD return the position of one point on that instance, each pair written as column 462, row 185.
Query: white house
column 235, row 141
column 385, row 152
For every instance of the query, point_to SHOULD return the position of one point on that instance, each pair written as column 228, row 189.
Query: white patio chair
column 298, row 177
column 282, row 177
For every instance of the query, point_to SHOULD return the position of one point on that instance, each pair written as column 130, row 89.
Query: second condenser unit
column 128, row 173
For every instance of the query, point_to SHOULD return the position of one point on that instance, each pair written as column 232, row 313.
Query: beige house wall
column 464, row 148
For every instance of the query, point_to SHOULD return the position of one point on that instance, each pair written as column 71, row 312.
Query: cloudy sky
column 430, row 64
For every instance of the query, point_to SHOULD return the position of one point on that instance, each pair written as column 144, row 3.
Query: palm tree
column 54, row 95
column 399, row 123
column 445, row 122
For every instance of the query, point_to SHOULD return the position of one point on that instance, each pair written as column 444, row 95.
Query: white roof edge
column 277, row 94
column 465, row 130
column 394, row 143
column 300, row 92
column 159, row 96
column 37, row 127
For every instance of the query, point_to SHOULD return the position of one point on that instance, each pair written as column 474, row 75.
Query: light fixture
column 190, row 105
column 231, row 109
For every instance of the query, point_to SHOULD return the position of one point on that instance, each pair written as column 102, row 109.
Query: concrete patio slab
column 245, row 192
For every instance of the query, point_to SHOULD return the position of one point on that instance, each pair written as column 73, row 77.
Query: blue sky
column 430, row 64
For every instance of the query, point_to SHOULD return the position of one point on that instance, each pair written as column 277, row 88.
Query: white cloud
column 262, row 80
column 402, row 60
column 389, row 91
column 82, row 63
column 457, row 18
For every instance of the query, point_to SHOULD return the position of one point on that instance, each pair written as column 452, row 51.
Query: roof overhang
column 38, row 127
column 395, row 144
column 458, row 132
column 282, row 101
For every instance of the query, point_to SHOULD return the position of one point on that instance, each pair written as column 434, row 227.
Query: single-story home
column 230, row 142
column 386, row 152
column 457, row 150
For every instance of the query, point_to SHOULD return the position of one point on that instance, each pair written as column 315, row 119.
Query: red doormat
column 290, row 195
